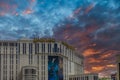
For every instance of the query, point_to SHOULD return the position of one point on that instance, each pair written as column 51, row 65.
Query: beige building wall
column 16, row 55
column 91, row 76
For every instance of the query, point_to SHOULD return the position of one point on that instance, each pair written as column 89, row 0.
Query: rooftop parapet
column 43, row 40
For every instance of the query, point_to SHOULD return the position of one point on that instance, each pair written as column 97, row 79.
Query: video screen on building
column 119, row 70
column 55, row 68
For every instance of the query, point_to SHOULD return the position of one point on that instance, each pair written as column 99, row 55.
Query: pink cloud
column 7, row 8
column 27, row 11
column 89, row 8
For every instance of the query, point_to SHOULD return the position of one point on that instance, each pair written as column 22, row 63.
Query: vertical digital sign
column 119, row 70
column 55, row 68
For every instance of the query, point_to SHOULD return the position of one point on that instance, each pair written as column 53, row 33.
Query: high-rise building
column 38, row 59
column 118, row 67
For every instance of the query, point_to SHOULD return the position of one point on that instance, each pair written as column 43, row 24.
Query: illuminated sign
column 55, row 68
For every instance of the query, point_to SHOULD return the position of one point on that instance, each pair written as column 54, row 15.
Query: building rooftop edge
column 85, row 74
column 45, row 40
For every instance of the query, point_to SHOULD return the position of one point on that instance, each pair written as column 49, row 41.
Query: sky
column 91, row 26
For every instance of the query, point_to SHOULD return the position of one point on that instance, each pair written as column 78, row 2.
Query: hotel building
column 38, row 59
column 118, row 67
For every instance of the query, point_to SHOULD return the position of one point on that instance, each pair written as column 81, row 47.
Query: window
column 30, row 71
column 86, row 77
column 30, row 48
column 24, row 48
column 43, row 47
column 60, row 49
column 16, row 44
column 33, row 71
column 5, row 44
column 55, row 48
column 11, row 44
column 35, row 48
column 30, row 52
column 95, row 78
column 26, row 71
column 19, row 48
column 38, row 47
column 0, row 44
column 48, row 48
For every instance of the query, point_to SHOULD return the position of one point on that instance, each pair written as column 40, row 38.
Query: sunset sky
column 91, row 26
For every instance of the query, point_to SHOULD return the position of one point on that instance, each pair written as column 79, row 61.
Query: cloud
column 97, row 68
column 89, row 52
column 91, row 26
column 38, row 16
column 95, row 35
column 89, row 8
column 6, row 8
column 27, row 11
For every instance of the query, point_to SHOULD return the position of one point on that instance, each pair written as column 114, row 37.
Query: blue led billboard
column 55, row 68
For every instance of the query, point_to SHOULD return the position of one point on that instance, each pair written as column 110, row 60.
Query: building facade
column 118, row 67
column 90, row 76
column 38, row 59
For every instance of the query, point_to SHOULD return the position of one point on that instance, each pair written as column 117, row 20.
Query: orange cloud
column 97, row 68
column 93, row 60
column 27, row 11
column 105, row 55
column 96, row 54
column 108, row 54
column 89, row 52
column 111, row 65
column 86, row 71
